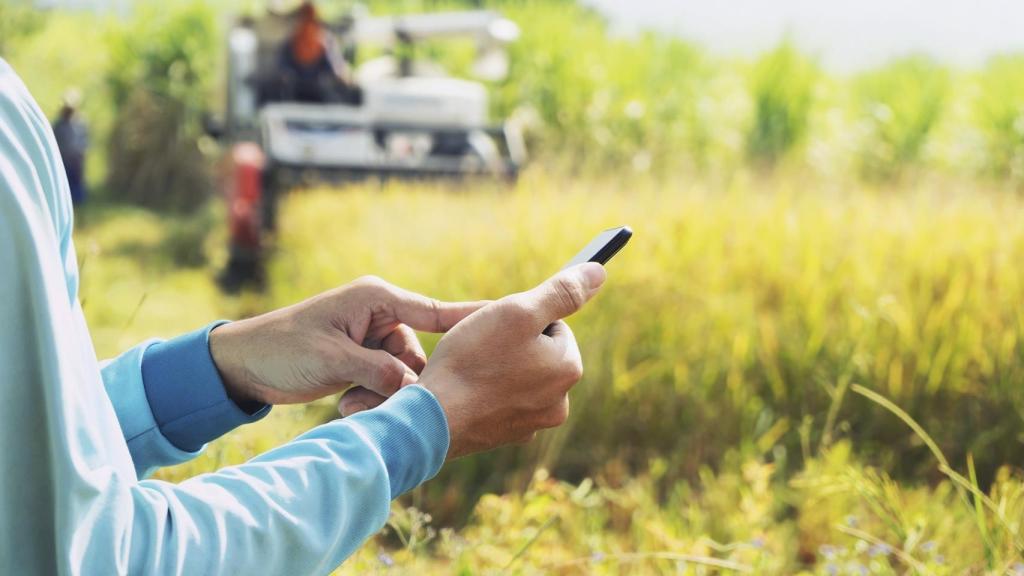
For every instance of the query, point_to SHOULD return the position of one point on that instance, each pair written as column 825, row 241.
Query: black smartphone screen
column 603, row 247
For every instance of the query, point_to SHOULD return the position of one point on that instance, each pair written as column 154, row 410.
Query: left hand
column 361, row 333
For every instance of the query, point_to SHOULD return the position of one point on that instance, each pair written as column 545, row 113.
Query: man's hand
column 360, row 333
column 505, row 371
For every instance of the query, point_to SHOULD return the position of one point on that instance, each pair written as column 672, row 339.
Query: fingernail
column 594, row 273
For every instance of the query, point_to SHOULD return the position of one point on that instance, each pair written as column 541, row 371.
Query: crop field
column 808, row 360
column 717, row 423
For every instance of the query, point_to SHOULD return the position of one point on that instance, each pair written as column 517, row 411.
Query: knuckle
column 417, row 362
column 516, row 309
column 569, row 294
column 574, row 371
column 369, row 281
column 388, row 376
column 434, row 305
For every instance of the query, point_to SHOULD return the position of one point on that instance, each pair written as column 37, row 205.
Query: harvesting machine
column 399, row 116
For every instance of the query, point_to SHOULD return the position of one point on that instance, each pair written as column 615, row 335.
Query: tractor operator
column 79, row 437
column 312, row 69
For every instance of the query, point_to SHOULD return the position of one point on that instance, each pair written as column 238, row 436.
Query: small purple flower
column 929, row 546
column 385, row 559
column 597, row 556
column 880, row 550
column 851, row 521
column 827, row 551
column 832, row 569
column 940, row 559
column 758, row 542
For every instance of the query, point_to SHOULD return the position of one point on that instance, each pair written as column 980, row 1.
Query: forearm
column 299, row 509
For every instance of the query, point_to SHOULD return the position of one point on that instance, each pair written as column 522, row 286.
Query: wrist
column 230, row 364
column 187, row 395
column 410, row 432
column 452, row 414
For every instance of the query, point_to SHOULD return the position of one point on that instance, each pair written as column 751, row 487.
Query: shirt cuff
column 186, row 393
column 411, row 434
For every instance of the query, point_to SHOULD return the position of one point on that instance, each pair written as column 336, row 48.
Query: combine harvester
column 397, row 117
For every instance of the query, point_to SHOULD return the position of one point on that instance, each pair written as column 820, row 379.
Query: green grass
column 1000, row 116
column 782, row 86
column 900, row 105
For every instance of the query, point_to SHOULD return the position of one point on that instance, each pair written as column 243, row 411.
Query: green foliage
column 160, row 74
column 782, row 87
column 836, row 517
column 1000, row 116
column 170, row 52
column 51, row 60
column 18, row 19
column 900, row 106
column 604, row 101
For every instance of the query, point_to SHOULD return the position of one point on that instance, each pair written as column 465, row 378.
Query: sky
column 845, row 35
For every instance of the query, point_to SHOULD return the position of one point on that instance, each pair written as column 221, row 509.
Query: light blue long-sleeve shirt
column 75, row 441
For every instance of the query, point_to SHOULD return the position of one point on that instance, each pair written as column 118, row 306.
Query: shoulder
column 30, row 168
column 16, row 104
column 35, row 202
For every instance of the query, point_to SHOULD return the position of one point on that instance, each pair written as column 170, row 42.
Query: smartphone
column 603, row 247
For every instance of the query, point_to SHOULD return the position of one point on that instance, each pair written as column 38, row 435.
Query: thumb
column 564, row 293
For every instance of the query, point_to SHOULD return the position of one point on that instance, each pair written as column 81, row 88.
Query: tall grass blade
column 979, row 513
column 907, row 559
column 907, row 419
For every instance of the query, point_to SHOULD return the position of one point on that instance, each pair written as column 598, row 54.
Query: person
column 313, row 70
column 72, row 141
column 79, row 438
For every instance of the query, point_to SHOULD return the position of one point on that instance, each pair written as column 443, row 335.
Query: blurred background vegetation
column 803, row 238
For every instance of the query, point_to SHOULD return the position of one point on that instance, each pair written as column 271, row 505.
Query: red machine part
column 244, row 195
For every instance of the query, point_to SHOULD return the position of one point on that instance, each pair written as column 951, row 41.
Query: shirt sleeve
column 170, row 400
column 299, row 509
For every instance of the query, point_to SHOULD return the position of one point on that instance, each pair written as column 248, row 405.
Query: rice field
column 724, row 421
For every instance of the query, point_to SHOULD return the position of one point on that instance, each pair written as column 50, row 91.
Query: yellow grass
column 712, row 430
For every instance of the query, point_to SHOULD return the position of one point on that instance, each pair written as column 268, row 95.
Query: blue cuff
column 186, row 393
column 410, row 432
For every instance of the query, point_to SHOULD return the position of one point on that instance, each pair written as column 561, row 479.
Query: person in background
column 73, row 141
column 312, row 67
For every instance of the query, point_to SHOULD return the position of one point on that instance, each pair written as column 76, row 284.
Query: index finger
column 426, row 314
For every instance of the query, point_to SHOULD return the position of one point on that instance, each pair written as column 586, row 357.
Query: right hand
column 504, row 372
